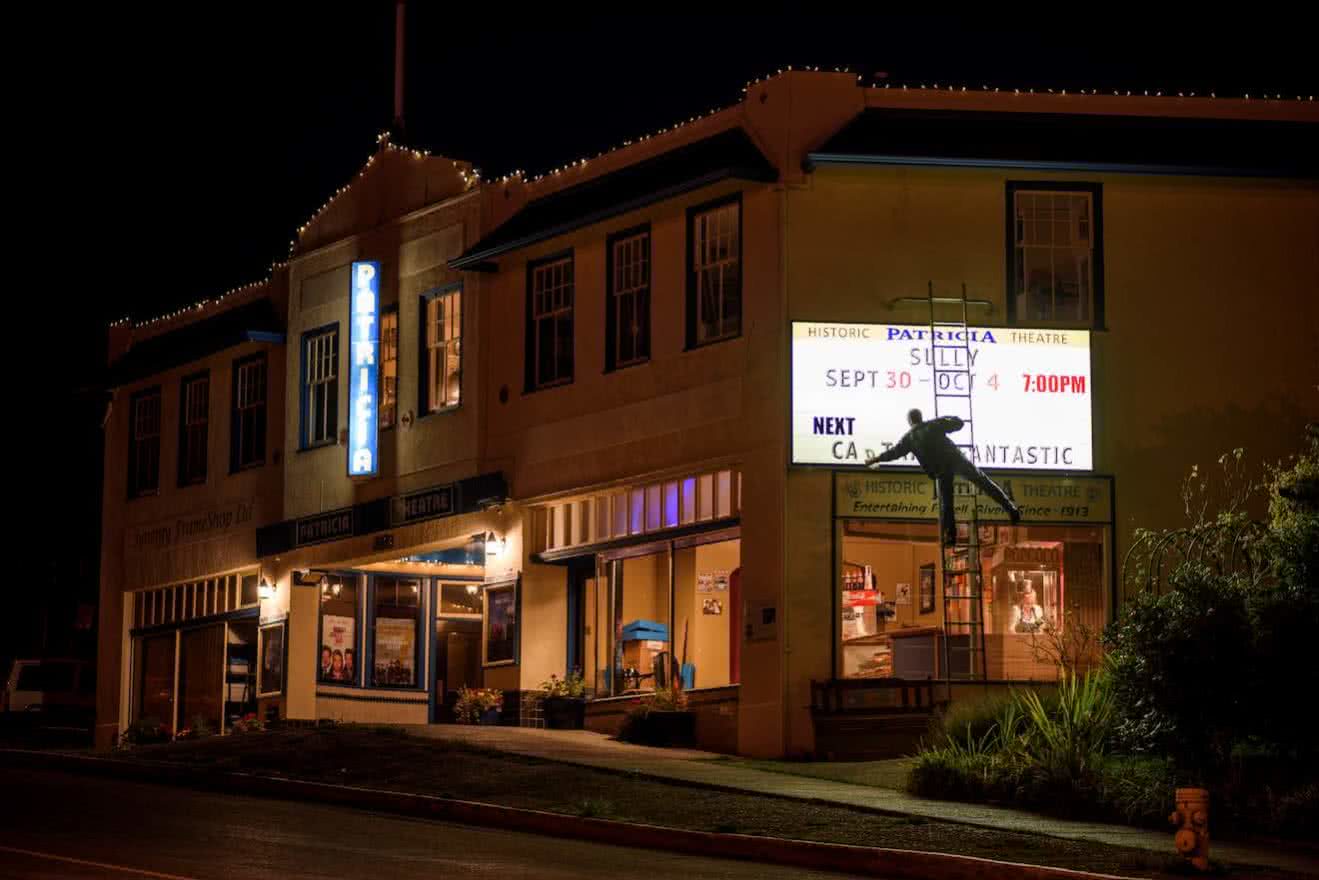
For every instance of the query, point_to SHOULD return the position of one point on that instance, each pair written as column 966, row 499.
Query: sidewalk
column 707, row 769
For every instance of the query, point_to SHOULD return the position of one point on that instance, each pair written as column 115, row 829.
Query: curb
column 897, row 864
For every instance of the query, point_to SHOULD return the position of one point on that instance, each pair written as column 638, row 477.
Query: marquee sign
column 852, row 385
column 364, row 371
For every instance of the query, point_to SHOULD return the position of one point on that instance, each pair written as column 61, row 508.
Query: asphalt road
column 55, row 825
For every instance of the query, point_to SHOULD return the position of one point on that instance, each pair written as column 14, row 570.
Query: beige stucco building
column 623, row 407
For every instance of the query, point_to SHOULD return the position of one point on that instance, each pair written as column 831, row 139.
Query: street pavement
column 56, row 825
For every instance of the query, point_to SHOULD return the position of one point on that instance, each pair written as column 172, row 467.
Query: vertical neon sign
column 364, row 375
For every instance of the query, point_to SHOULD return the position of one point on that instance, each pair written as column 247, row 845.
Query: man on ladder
column 941, row 460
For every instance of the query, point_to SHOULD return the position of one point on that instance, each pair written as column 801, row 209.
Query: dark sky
column 175, row 147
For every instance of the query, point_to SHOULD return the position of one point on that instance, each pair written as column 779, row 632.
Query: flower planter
column 488, row 717
column 668, row 728
column 564, row 713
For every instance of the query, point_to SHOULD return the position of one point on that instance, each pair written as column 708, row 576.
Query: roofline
column 480, row 260
column 392, row 221
column 813, row 160
column 1092, row 104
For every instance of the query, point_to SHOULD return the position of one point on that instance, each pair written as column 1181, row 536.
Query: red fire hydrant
column 1192, row 819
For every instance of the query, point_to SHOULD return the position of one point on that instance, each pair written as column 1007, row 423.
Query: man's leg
column 990, row 488
column 944, row 485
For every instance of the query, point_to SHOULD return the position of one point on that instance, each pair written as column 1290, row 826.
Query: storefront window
column 202, row 667
column 156, row 677
column 339, row 614
column 460, row 599
column 706, row 600
column 899, row 617
column 397, row 615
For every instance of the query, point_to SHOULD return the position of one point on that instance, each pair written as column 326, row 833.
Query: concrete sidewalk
column 711, row 770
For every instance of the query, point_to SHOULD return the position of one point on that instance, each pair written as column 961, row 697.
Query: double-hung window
column 247, row 444
column 320, row 386
column 144, row 443
column 714, row 273
column 441, row 349
column 194, row 426
column 1055, row 255
column 627, row 319
column 388, row 368
column 550, row 322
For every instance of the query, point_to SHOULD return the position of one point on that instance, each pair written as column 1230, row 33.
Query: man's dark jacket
column 929, row 442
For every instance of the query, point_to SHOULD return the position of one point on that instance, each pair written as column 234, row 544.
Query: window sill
column 537, row 389
column 326, row 445
column 693, row 346
column 250, row 466
column 147, row 493
column 444, row 410
column 629, row 366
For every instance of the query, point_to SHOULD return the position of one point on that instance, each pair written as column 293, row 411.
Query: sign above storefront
column 852, row 385
column 323, row 527
column 364, row 371
column 1050, row 499
column 426, row 504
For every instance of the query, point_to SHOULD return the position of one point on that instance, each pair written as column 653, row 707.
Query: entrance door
column 457, row 662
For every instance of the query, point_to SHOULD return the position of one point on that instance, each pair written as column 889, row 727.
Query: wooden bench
column 871, row 718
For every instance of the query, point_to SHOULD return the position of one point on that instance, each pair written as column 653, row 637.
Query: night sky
column 174, row 151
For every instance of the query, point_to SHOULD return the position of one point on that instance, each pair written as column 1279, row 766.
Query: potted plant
column 564, row 704
column 661, row 719
column 478, row 705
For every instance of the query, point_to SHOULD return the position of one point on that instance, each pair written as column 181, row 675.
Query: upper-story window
column 144, row 443
column 194, row 427
column 320, row 386
column 442, row 356
column 247, row 443
column 1055, row 255
column 550, row 322
column 714, row 274
column 388, row 368
column 627, row 316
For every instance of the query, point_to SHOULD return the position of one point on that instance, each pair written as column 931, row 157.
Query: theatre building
column 718, row 324
column 614, row 419
column 193, row 461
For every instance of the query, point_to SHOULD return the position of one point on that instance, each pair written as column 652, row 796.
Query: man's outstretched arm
column 893, row 452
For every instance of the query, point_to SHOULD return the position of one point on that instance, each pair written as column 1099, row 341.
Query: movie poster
column 396, row 652
column 338, row 662
column 272, row 660
column 501, row 624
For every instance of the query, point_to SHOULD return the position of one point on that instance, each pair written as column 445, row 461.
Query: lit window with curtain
column 388, row 368
column 1054, row 254
column 442, row 333
column 714, row 294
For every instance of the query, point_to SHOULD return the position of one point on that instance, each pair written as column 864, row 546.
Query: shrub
column 143, row 732
column 474, row 702
column 670, row 699
column 571, row 686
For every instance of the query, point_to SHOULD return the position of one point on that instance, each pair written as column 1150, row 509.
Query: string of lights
column 472, row 176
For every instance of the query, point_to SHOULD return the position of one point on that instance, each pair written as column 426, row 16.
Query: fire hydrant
column 1192, row 819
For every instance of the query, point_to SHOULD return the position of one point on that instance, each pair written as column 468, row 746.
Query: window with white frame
column 443, row 345
column 628, row 317
column 1053, row 255
column 144, row 443
column 194, row 427
column 320, row 386
column 550, row 331
column 248, row 443
column 388, row 368
column 714, row 299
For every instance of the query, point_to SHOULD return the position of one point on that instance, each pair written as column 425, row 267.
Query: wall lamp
column 265, row 589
